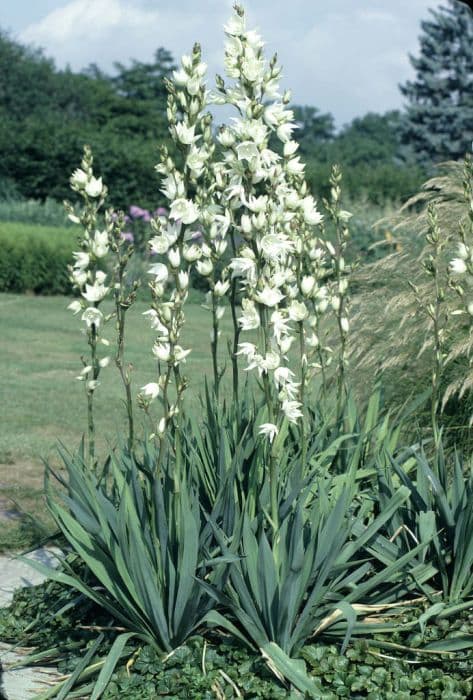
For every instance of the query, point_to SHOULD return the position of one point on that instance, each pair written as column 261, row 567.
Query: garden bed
column 216, row 667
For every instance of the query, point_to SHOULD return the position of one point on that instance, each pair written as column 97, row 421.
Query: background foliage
column 35, row 258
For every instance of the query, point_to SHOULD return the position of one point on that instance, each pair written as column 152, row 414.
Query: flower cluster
column 248, row 194
column 86, row 273
column 280, row 262
column 191, row 130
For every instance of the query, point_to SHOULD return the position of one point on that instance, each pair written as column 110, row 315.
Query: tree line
column 47, row 114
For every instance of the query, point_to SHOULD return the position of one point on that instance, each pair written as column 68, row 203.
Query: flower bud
column 245, row 224
column 204, row 267
column 174, row 257
column 285, row 344
column 220, row 247
column 150, row 390
column 221, row 288
column 298, row 311
column 307, row 285
column 330, row 247
column 75, row 307
column 260, row 221
column 290, row 147
column 183, row 279
column 226, row 138
column 158, row 288
column 192, row 253
column 312, row 340
column 463, row 251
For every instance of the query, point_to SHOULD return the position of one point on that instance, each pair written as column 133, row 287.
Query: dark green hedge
column 34, row 258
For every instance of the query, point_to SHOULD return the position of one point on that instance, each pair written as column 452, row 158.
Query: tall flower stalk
column 124, row 297
column 339, row 296
column 190, row 129
column 436, row 311
column 249, row 193
column 89, row 280
column 275, row 218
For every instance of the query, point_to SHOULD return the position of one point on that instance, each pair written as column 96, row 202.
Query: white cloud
column 81, row 32
column 88, row 19
column 338, row 55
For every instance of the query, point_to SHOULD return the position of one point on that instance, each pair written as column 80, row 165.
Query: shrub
column 35, row 258
column 30, row 211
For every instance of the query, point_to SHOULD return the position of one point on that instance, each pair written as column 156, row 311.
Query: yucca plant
column 141, row 536
column 285, row 585
column 439, row 512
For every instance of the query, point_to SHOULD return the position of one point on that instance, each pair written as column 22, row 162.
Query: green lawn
column 42, row 402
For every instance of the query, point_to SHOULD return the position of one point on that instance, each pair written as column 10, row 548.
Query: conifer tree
column 439, row 118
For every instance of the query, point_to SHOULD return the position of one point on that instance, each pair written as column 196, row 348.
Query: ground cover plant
column 284, row 525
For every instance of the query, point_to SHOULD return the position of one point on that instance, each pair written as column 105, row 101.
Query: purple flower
column 161, row 211
column 139, row 213
column 127, row 236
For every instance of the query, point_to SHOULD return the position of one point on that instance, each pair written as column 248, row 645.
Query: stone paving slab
column 8, row 511
column 16, row 573
column 23, row 683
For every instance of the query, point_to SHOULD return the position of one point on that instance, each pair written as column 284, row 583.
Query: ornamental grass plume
column 393, row 331
column 461, row 280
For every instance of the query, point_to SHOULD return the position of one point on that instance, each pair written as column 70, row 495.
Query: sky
column 342, row 56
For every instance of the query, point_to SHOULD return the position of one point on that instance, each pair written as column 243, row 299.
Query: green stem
column 120, row 363
column 303, row 359
column 177, row 431
column 167, row 379
column 90, row 394
column 273, row 463
column 236, row 340
column 236, row 328
column 214, row 346
column 438, row 363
